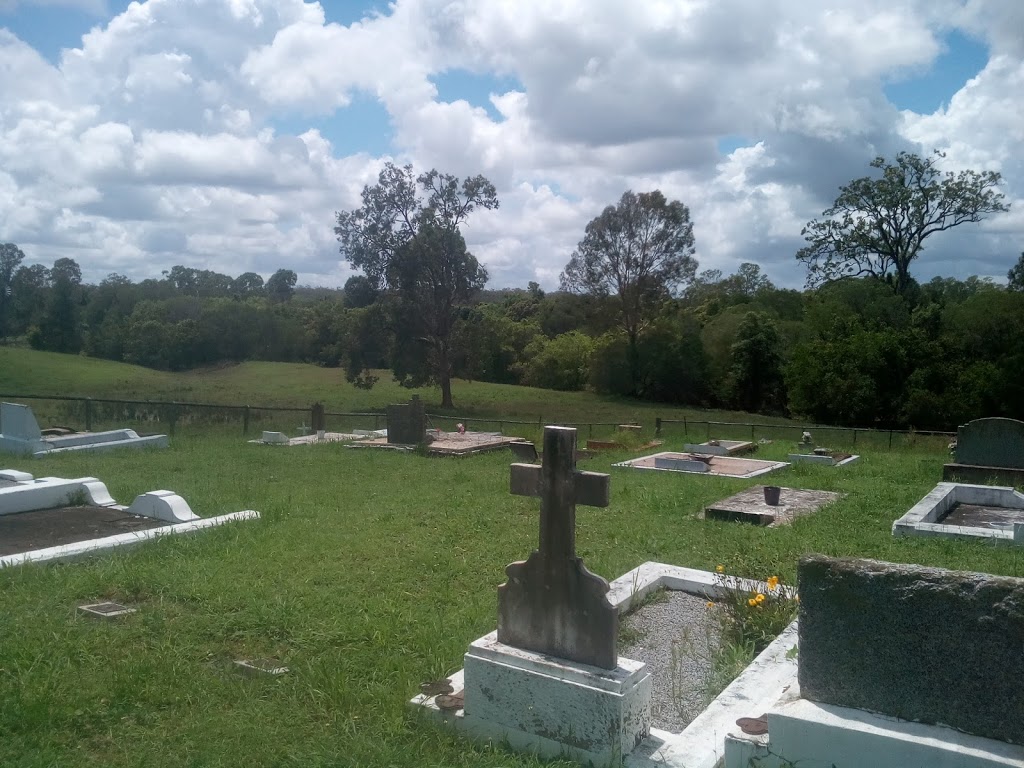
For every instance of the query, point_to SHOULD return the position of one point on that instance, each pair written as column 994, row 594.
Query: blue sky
column 753, row 136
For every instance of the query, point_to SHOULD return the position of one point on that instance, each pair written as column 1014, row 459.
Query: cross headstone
column 551, row 603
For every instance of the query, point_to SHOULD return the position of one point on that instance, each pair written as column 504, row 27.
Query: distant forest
column 849, row 352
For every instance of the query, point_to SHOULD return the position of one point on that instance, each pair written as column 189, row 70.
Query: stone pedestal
column 551, row 706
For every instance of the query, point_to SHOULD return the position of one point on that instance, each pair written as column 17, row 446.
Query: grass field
column 369, row 573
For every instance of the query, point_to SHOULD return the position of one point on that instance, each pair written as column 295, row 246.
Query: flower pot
column 771, row 495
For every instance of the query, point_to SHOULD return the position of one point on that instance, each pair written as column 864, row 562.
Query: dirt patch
column 28, row 531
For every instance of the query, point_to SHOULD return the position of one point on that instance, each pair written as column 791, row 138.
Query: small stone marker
column 106, row 610
column 551, row 603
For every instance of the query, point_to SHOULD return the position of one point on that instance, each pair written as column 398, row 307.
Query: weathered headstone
column 407, row 422
column 17, row 421
column 317, row 418
column 988, row 450
column 551, row 603
column 920, row 644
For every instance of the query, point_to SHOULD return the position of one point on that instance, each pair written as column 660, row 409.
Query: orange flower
column 773, row 582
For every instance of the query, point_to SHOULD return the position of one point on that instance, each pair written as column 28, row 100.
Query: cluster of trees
column 864, row 343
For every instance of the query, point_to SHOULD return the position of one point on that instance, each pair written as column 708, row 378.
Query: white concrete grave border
column 701, row 744
column 828, row 461
column 49, row 492
column 23, row 436
column 921, row 519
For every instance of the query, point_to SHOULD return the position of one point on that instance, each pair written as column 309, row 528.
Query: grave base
column 969, row 473
column 553, row 707
column 813, row 735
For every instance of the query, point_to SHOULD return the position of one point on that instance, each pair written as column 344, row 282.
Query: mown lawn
column 369, row 573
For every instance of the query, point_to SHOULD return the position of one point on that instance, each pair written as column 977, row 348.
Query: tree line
column 863, row 344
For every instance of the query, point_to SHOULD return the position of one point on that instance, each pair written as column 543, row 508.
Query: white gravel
column 678, row 637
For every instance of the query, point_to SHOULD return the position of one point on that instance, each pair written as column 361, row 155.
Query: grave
column 723, row 466
column 20, row 434
column 824, row 456
column 280, row 438
column 549, row 680
column 959, row 510
column 988, row 451
column 750, row 506
column 54, row 518
column 700, row 744
column 873, row 689
column 721, row 447
column 106, row 610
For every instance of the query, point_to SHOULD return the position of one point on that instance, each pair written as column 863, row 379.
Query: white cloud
column 154, row 142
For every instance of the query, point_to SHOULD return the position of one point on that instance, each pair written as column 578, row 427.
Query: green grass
column 369, row 573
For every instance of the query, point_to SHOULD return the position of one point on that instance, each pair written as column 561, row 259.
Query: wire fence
column 700, row 430
column 168, row 416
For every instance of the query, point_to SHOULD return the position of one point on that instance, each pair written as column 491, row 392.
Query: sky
column 226, row 134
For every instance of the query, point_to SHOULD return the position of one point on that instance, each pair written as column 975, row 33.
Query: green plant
column 754, row 614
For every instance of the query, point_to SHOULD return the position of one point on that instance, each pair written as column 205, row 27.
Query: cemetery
column 20, row 434
column 385, row 583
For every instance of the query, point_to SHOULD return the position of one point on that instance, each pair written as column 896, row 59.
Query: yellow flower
column 710, row 604
column 720, row 569
column 759, row 598
column 773, row 582
column 751, row 602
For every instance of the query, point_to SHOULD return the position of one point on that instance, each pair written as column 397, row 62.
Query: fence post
column 88, row 414
column 685, row 430
column 890, row 439
column 855, row 437
column 245, row 420
column 752, row 432
column 657, row 426
column 709, row 430
column 590, row 430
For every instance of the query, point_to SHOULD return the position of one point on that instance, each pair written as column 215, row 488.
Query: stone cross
column 551, row 603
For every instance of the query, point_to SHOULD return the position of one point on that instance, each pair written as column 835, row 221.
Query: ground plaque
column 551, row 603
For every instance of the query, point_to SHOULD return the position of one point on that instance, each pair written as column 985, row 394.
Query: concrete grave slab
column 20, row 434
column 960, row 510
column 55, row 518
column 280, row 438
column 450, row 443
column 749, row 506
column 722, row 447
column 723, row 466
column 106, row 610
column 831, row 459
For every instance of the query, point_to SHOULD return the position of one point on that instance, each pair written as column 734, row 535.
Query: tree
column 755, row 377
column 877, row 226
column 359, row 292
column 247, row 285
column 10, row 259
column 1015, row 277
column 59, row 329
column 406, row 240
column 640, row 250
column 281, row 285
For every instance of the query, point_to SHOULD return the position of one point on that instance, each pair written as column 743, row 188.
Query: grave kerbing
column 551, row 603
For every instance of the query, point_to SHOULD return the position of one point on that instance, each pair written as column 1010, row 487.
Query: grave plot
column 959, row 510
column 20, row 434
column 724, row 466
column 988, row 451
column 909, row 706
column 721, row 447
column 825, row 456
column 551, row 680
column 316, row 438
column 752, row 505
column 54, row 518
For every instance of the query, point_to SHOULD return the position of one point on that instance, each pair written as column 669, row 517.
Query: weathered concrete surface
column 551, row 603
column 600, row 714
column 921, row 644
column 995, row 442
column 749, row 506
